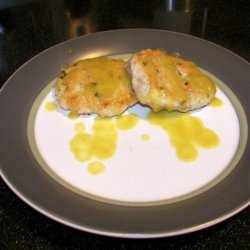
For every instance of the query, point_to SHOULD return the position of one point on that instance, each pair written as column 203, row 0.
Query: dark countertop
column 29, row 27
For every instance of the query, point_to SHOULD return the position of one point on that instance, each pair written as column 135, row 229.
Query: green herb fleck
column 93, row 84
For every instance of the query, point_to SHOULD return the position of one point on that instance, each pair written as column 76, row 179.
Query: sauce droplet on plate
column 72, row 115
column 145, row 137
column 51, row 106
column 216, row 103
column 96, row 168
column 79, row 127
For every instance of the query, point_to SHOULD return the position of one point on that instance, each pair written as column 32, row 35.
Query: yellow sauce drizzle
column 127, row 122
column 51, row 106
column 96, row 168
column 145, row 137
column 186, row 133
column 216, row 103
column 72, row 115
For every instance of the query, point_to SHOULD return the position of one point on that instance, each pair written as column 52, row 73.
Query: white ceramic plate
column 145, row 190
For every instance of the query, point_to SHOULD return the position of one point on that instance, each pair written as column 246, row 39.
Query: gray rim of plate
column 24, row 176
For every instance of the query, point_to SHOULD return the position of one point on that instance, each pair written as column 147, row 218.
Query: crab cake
column 162, row 81
column 98, row 85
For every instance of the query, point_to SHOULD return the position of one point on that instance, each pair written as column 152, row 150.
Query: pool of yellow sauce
column 187, row 133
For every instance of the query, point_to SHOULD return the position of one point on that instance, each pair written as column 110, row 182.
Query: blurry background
column 46, row 23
